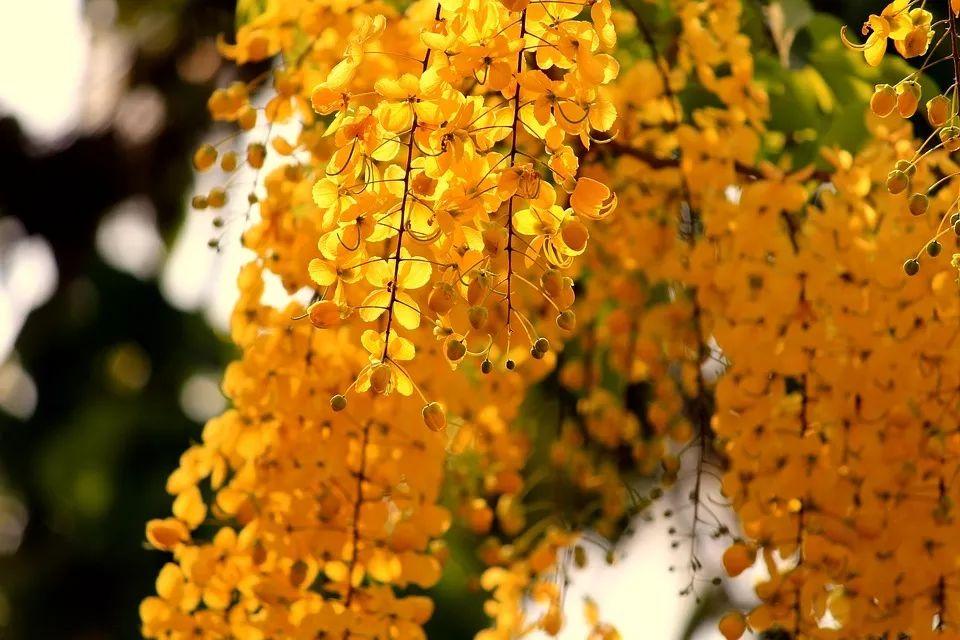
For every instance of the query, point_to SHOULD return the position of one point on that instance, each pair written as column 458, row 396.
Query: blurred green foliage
column 108, row 355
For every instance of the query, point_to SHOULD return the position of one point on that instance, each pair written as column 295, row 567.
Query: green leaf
column 822, row 101
column 248, row 11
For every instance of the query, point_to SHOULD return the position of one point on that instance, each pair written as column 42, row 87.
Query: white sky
column 44, row 45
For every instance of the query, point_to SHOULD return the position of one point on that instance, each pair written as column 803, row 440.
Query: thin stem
column 403, row 209
column 513, row 159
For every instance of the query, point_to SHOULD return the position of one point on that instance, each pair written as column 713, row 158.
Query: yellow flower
column 894, row 22
column 167, row 533
column 917, row 41
column 391, row 294
column 592, row 199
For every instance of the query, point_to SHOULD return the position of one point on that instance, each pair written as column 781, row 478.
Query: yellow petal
column 374, row 305
column 592, row 198
column 873, row 52
column 406, row 311
column 372, row 341
column 401, row 348
column 341, row 74
column 414, row 273
column 321, row 272
column 325, row 193
column 190, row 508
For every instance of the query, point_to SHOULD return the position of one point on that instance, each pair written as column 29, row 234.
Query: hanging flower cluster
column 315, row 515
column 432, row 186
column 834, row 416
column 444, row 196
column 430, row 172
column 913, row 30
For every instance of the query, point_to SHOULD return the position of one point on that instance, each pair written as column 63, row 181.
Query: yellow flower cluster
column 941, row 112
column 444, row 194
column 842, row 446
column 908, row 26
column 430, row 181
column 315, row 514
column 835, row 409
column 433, row 169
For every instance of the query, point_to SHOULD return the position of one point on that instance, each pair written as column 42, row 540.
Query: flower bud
column 884, row 100
column 454, row 349
column 552, row 282
column 204, row 157
column 478, row 317
column 247, row 117
column 732, row 625
column 738, row 558
column 907, row 167
column 950, row 137
column 552, row 621
column 567, row 320
column 908, row 98
column 324, row 314
column 229, row 161
column 442, row 298
column 381, row 378
column 217, row 197
column 478, row 287
column 434, row 417
column 897, row 182
column 256, row 154
column 939, row 110
column 918, row 204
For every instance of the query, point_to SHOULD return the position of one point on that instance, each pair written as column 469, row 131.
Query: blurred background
column 113, row 312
